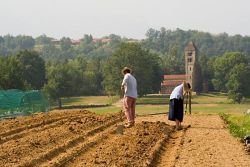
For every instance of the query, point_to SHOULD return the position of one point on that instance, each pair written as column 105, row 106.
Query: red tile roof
column 175, row 77
column 172, row 83
column 102, row 40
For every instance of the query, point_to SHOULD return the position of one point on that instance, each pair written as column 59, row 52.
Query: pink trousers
column 129, row 108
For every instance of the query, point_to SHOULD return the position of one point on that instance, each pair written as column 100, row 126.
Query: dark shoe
column 129, row 125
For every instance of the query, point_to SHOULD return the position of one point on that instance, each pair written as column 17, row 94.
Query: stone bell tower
column 190, row 53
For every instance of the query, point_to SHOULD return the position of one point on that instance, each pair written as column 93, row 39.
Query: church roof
column 175, row 77
column 173, row 80
column 190, row 47
column 171, row 83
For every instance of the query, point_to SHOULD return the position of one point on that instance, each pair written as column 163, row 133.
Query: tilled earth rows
column 79, row 138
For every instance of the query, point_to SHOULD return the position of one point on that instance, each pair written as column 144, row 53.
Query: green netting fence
column 16, row 102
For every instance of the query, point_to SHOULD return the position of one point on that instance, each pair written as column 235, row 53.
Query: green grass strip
column 238, row 124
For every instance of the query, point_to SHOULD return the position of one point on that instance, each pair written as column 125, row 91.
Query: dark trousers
column 175, row 110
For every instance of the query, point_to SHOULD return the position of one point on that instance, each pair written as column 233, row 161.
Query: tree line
column 94, row 68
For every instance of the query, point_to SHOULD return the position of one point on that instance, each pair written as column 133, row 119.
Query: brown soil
column 81, row 138
column 207, row 143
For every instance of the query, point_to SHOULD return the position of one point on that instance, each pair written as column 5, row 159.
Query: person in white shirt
column 176, row 104
column 129, row 85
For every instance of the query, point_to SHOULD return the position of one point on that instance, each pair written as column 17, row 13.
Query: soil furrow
column 137, row 146
column 170, row 150
column 76, row 151
column 19, row 133
column 21, row 124
column 67, row 145
column 38, row 142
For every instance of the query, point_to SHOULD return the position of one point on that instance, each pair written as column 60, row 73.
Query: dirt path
column 206, row 143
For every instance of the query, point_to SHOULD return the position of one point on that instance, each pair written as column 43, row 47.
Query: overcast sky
column 127, row 18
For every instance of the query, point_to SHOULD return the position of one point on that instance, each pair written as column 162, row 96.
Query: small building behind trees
column 170, row 82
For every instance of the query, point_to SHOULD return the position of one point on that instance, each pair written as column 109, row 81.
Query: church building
column 171, row 81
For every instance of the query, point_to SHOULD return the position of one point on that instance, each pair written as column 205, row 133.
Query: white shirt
column 130, row 85
column 177, row 93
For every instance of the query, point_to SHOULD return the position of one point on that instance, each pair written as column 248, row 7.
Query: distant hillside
column 163, row 40
column 159, row 41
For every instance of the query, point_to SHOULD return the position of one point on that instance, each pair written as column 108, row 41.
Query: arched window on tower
column 189, row 53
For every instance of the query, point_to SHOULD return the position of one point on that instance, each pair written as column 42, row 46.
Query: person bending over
column 176, row 104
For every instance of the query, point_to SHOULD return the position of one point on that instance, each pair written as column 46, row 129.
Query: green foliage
column 22, row 71
column 237, row 84
column 10, row 45
column 144, row 65
column 218, row 74
column 87, row 39
column 239, row 125
column 171, row 62
column 206, row 65
column 43, row 40
column 60, row 79
column 231, row 71
column 197, row 78
column 33, row 67
column 222, row 67
column 50, row 52
column 11, row 74
column 74, row 78
column 65, row 44
column 162, row 40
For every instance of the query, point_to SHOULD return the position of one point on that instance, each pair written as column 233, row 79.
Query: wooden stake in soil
column 187, row 100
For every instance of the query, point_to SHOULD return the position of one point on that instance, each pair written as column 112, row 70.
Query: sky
column 127, row 18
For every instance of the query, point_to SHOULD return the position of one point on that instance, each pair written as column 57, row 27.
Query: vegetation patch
column 239, row 125
column 153, row 100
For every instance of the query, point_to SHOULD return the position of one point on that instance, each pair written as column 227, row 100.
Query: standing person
column 176, row 104
column 129, row 86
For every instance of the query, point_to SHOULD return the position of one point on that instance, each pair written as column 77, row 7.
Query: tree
column 142, row 62
column 33, row 68
column 95, row 65
column 11, row 74
column 25, row 42
column 50, row 52
column 1, row 40
column 238, row 85
column 61, row 82
column 87, row 39
column 231, row 72
column 171, row 63
column 207, row 72
column 43, row 40
column 197, row 78
column 223, row 66
column 65, row 44
column 162, row 40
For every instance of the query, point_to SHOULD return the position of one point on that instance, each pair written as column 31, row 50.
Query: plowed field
column 78, row 138
column 81, row 138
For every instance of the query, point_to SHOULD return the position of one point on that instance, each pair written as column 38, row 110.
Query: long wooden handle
column 189, row 101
